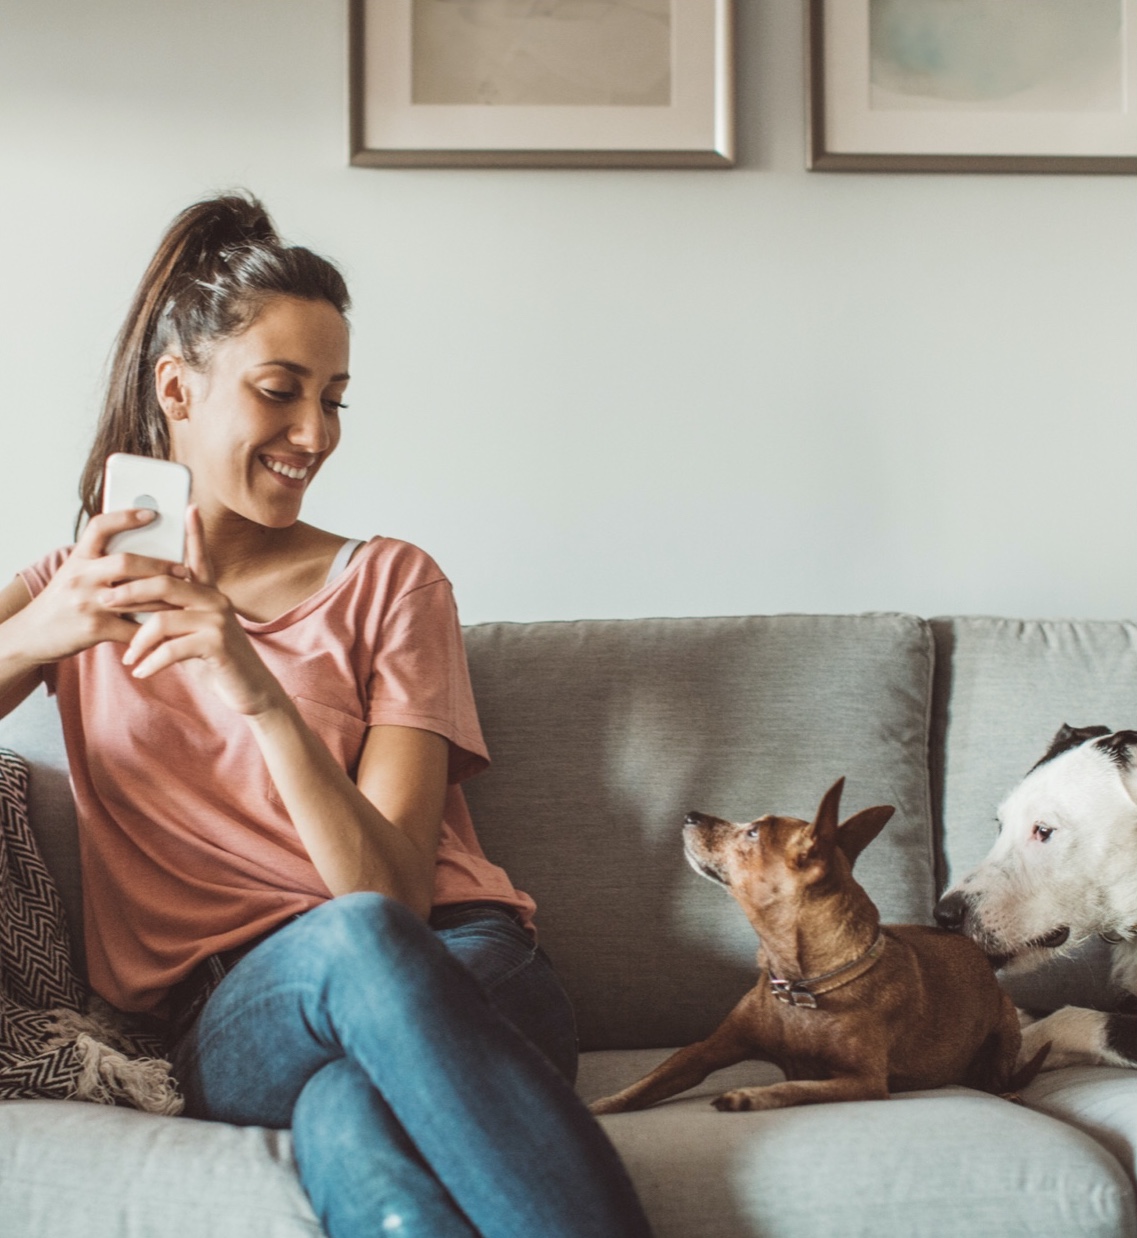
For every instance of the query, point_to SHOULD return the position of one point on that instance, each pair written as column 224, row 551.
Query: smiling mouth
column 291, row 472
column 1049, row 941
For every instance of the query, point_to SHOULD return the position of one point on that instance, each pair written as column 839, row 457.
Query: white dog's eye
column 1042, row 832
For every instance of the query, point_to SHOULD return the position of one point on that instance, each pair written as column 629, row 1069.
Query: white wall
column 601, row 393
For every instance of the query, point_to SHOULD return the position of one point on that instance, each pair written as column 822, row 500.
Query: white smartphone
column 161, row 485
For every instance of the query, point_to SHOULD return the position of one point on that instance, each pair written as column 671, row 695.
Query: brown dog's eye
column 752, row 832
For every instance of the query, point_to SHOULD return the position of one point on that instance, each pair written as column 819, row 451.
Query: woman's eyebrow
column 303, row 371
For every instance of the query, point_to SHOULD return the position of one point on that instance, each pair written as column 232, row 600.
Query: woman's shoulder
column 402, row 565
column 397, row 586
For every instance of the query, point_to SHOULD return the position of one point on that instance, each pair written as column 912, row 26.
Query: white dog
column 1063, row 869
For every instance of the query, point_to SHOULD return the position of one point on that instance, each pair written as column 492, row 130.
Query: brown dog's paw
column 737, row 1101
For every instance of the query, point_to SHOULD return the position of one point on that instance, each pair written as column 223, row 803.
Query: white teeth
column 284, row 469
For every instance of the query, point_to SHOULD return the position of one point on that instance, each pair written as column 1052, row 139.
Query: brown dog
column 847, row 1009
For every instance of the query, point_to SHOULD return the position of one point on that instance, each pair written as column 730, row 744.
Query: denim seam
column 200, row 1043
column 532, row 952
column 520, row 967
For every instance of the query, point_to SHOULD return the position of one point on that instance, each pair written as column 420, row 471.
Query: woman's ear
column 171, row 387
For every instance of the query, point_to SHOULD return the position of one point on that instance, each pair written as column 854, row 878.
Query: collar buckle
column 805, row 992
column 793, row 993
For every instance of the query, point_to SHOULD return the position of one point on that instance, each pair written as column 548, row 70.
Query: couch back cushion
column 605, row 734
column 1003, row 688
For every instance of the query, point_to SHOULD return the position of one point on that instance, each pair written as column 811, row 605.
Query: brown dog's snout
column 951, row 911
column 699, row 837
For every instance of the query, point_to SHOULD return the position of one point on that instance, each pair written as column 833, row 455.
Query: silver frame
column 720, row 155
column 820, row 159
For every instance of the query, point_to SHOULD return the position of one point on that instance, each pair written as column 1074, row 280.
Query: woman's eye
column 334, row 406
column 274, row 393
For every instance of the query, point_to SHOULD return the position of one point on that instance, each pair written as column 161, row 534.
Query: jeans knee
column 368, row 931
column 365, row 916
column 320, row 1116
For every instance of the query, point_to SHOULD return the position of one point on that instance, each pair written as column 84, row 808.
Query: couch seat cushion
column 922, row 1165
column 69, row 1169
column 1101, row 1100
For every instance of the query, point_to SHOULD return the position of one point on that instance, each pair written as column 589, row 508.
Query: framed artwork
column 542, row 83
column 972, row 85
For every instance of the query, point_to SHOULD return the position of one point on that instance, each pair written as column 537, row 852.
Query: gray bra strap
column 343, row 558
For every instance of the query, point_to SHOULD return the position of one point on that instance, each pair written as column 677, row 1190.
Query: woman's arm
column 19, row 675
column 380, row 833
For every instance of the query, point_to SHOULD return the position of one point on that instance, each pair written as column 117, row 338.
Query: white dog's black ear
column 1121, row 747
column 1070, row 737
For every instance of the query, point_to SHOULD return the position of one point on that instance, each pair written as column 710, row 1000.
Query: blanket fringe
column 100, row 1020
column 107, row 1075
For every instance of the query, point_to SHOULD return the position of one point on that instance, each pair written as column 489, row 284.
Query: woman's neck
column 236, row 545
column 264, row 572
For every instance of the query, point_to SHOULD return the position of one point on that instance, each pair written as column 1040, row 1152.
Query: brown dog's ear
column 824, row 828
column 854, row 835
column 821, row 837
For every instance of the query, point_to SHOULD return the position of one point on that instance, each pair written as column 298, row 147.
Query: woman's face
column 256, row 424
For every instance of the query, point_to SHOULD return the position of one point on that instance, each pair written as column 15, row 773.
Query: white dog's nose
column 951, row 911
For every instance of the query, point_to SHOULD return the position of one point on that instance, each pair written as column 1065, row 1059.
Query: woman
column 277, row 858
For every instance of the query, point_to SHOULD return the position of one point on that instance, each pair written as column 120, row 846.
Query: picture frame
column 509, row 83
column 904, row 86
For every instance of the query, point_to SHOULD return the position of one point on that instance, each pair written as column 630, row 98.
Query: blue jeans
column 413, row 1065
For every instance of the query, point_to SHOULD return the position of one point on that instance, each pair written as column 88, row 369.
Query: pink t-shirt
column 186, row 847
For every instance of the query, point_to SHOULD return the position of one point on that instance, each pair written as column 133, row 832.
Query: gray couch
column 604, row 735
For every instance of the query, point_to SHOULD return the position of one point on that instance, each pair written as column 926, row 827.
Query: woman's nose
column 310, row 430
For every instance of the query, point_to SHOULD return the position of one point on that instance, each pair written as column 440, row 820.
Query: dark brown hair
column 217, row 265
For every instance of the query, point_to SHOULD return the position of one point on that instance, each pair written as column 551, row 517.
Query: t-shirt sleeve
column 37, row 576
column 419, row 676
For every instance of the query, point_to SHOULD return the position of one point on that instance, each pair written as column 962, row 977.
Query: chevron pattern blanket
column 56, row 1040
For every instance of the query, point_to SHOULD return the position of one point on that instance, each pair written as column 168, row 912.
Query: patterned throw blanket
column 56, row 1040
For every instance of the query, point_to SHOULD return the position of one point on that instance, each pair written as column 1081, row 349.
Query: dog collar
column 806, row 991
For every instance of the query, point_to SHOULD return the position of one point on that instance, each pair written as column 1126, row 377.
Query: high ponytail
column 217, row 265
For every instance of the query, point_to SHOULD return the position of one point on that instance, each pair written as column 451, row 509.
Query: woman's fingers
column 119, row 630
column 111, row 570
column 197, row 557
column 72, row 613
column 171, row 649
column 159, row 592
column 171, row 628
column 92, row 543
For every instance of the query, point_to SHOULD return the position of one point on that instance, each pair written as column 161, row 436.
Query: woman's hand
column 69, row 615
column 197, row 625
